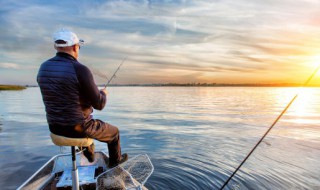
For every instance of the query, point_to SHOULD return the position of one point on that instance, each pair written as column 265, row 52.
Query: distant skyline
column 243, row 41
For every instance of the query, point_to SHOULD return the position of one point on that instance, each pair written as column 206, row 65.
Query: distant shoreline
column 21, row 87
column 213, row 85
column 12, row 87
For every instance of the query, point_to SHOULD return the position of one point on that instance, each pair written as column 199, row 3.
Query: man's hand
column 104, row 90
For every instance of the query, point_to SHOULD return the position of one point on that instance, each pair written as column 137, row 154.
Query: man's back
column 60, row 91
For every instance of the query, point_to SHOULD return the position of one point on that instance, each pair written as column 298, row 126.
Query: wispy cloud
column 9, row 66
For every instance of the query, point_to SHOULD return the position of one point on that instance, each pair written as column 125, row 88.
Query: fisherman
column 70, row 94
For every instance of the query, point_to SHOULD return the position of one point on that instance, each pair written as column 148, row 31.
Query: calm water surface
column 195, row 136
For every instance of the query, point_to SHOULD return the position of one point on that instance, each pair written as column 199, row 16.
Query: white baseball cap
column 68, row 37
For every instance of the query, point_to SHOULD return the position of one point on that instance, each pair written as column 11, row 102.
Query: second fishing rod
column 269, row 129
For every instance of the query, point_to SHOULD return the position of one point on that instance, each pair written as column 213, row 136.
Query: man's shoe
column 89, row 152
column 124, row 157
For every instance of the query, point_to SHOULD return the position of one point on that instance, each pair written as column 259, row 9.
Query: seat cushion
column 66, row 141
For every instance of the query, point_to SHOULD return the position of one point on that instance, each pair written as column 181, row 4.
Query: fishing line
column 114, row 74
column 266, row 133
column 99, row 74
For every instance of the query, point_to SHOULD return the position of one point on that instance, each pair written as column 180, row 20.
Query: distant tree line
column 11, row 87
column 221, row 85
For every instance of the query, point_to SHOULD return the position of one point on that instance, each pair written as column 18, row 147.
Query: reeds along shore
column 12, row 87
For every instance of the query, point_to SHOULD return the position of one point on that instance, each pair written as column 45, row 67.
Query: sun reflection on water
column 302, row 105
column 301, row 121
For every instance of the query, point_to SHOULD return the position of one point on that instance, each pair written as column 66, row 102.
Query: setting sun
column 316, row 60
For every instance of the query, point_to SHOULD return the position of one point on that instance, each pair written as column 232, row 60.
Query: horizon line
column 203, row 84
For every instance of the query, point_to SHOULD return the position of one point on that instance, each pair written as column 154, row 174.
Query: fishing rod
column 273, row 124
column 114, row 74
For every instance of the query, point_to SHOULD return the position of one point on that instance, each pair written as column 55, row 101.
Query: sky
column 216, row 41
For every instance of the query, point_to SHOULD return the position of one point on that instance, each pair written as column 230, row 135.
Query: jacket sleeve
column 88, row 89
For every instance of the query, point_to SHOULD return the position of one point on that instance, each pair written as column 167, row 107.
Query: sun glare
column 310, row 67
column 303, row 109
column 317, row 64
column 302, row 103
column 316, row 61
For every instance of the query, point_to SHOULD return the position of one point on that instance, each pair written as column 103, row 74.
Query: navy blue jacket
column 69, row 94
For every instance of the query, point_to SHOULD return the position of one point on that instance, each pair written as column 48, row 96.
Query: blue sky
column 223, row 41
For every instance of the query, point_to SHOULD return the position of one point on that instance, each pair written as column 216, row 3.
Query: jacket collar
column 65, row 55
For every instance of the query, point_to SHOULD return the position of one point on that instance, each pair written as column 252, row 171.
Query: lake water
column 195, row 136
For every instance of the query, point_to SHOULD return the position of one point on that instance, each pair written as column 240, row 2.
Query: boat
column 57, row 173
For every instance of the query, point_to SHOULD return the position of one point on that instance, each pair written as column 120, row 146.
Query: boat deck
column 56, row 174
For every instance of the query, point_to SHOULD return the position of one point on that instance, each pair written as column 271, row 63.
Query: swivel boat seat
column 73, row 142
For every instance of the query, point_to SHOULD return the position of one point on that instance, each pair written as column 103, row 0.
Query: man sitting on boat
column 70, row 94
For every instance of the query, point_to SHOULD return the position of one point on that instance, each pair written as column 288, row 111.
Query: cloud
column 9, row 66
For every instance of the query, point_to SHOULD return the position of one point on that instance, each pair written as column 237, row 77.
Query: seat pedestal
column 73, row 142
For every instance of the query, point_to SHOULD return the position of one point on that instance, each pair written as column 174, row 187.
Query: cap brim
column 60, row 45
